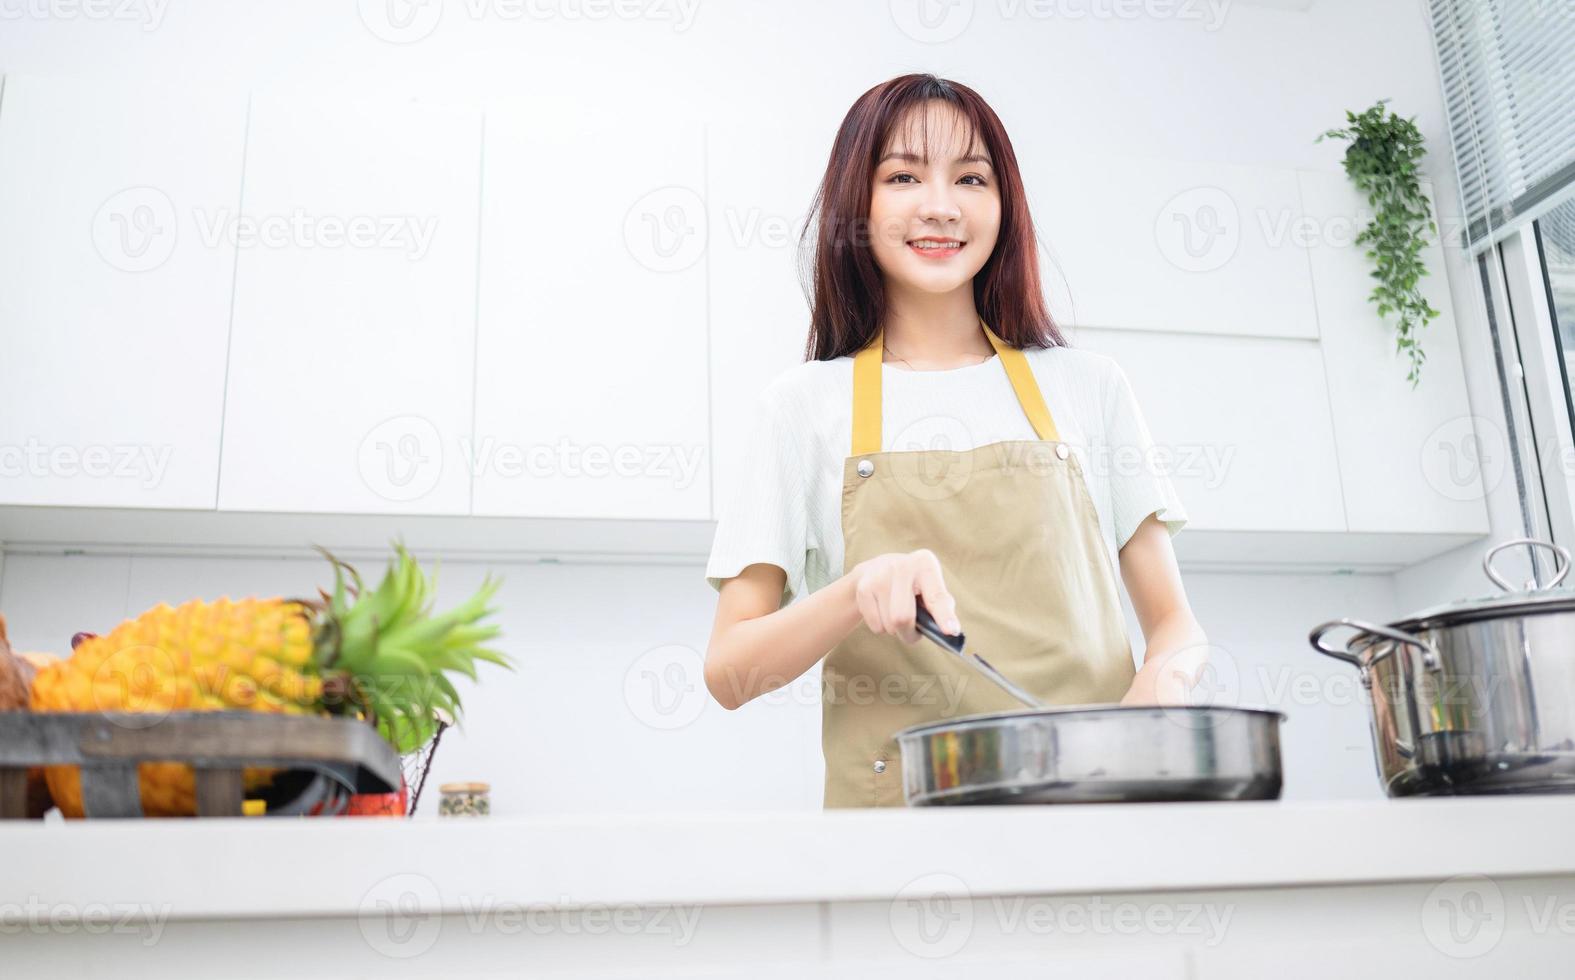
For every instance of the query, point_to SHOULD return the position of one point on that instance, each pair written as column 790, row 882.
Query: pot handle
column 1562, row 565
column 1430, row 658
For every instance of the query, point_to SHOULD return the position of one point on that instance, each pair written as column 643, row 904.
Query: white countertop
column 247, row 867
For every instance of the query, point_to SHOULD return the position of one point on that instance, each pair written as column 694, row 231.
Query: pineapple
column 381, row 655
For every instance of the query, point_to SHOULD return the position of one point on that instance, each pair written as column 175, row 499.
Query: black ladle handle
column 925, row 624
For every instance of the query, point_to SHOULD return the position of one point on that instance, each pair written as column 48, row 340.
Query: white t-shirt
column 785, row 507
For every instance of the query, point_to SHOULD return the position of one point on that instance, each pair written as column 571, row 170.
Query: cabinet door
column 1246, row 424
column 1410, row 459
column 1169, row 245
column 761, row 183
column 352, row 357
column 114, row 295
column 591, row 388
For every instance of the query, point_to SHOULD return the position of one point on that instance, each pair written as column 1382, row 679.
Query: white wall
column 593, row 721
column 1245, row 84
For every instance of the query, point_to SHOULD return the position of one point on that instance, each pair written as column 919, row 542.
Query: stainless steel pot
column 1474, row 696
column 1087, row 753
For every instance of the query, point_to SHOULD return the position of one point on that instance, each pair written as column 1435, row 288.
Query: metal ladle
column 926, row 624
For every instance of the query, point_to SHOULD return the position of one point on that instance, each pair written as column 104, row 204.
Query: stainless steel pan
column 1087, row 753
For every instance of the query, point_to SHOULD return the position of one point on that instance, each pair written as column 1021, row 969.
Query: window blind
column 1508, row 74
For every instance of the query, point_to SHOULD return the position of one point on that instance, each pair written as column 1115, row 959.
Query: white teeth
column 938, row 244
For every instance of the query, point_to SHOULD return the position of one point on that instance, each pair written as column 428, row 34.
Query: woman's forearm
column 756, row 656
column 1177, row 651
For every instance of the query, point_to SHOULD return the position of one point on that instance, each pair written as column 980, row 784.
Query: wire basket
column 417, row 765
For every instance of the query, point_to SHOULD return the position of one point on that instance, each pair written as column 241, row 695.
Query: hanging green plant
column 1382, row 161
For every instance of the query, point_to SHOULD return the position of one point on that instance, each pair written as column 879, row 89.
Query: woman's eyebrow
column 915, row 158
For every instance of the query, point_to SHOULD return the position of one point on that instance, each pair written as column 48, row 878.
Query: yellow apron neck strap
column 867, row 394
column 866, row 397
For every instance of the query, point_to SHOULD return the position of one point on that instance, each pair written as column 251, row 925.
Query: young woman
column 939, row 442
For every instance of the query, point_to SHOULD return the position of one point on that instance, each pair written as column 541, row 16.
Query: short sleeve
column 763, row 518
column 1139, row 474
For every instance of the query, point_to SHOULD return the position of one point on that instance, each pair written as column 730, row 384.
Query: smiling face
column 934, row 217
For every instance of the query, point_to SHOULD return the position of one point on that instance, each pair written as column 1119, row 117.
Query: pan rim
column 974, row 720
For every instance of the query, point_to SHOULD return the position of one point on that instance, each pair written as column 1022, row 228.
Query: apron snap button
column 880, row 765
column 1061, row 451
column 866, row 467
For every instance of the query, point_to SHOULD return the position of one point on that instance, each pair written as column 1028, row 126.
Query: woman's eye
column 907, row 177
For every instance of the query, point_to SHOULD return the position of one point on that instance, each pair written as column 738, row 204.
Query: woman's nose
column 938, row 204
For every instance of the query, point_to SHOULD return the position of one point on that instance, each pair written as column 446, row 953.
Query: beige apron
column 1020, row 548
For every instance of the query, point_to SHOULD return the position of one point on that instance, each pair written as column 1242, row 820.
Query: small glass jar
column 464, row 800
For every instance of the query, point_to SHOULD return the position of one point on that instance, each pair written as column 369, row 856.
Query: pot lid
column 1526, row 599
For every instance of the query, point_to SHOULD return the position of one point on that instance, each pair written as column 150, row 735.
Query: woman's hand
column 1171, row 678
column 884, row 587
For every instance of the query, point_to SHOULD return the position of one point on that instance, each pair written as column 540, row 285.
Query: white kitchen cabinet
column 352, row 354
column 1411, row 460
column 114, row 295
column 591, row 380
column 761, row 183
column 1169, row 245
column 1245, row 422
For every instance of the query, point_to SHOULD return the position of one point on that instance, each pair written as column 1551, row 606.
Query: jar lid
column 464, row 788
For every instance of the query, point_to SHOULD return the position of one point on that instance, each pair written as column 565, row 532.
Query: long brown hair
column 848, row 297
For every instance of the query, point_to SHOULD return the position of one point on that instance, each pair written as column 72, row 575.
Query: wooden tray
column 218, row 744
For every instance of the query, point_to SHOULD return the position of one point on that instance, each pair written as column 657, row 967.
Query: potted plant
column 1382, row 161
